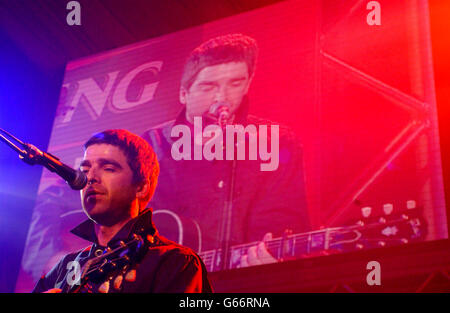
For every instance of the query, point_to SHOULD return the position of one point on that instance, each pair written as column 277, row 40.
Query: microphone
column 76, row 179
column 221, row 110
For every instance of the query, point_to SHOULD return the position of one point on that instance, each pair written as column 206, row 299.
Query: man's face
column 109, row 195
column 227, row 82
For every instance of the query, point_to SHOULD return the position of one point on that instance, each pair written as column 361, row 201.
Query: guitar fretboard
column 398, row 230
column 289, row 246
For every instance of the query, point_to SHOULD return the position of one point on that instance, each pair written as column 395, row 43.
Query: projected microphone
column 221, row 110
column 32, row 155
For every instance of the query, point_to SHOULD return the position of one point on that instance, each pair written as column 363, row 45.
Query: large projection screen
column 359, row 98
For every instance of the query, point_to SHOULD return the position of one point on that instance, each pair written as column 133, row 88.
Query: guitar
column 115, row 264
column 369, row 232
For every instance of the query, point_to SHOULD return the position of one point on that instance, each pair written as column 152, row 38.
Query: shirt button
column 220, row 184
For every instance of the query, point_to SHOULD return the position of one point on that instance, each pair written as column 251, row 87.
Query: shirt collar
column 143, row 222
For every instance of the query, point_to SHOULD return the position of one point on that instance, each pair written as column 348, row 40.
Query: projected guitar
column 390, row 229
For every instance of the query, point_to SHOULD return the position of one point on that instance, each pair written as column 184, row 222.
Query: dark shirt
column 198, row 190
column 166, row 267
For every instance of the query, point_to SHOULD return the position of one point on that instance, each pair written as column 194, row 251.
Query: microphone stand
column 227, row 213
column 32, row 155
column 226, row 219
column 220, row 111
column 22, row 153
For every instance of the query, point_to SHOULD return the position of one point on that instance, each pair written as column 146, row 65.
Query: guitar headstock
column 114, row 265
column 396, row 225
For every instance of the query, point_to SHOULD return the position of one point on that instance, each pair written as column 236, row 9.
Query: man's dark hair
column 222, row 49
column 140, row 156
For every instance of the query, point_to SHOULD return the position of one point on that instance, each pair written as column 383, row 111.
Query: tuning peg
column 150, row 238
column 388, row 208
column 118, row 282
column 366, row 211
column 410, row 204
column 104, row 288
column 131, row 276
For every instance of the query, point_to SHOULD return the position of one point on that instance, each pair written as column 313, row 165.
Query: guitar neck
column 288, row 246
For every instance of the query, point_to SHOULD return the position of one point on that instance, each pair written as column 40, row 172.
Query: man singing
column 230, row 200
column 122, row 172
